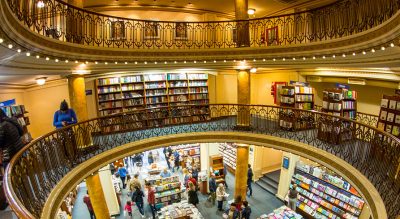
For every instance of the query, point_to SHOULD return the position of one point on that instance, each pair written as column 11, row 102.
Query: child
column 128, row 208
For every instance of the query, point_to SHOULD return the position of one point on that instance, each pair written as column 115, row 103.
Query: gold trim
column 357, row 179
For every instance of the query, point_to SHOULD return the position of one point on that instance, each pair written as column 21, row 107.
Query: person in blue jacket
column 65, row 116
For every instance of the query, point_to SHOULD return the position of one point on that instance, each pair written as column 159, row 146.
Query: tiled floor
column 261, row 202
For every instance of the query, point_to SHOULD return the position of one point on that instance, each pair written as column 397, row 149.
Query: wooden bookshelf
column 229, row 153
column 189, row 153
column 217, row 166
column 389, row 115
column 168, row 190
column 299, row 97
column 338, row 102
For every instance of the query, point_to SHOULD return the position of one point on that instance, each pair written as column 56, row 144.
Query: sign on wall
column 7, row 103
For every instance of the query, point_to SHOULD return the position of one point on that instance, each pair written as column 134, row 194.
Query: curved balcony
column 35, row 172
column 330, row 27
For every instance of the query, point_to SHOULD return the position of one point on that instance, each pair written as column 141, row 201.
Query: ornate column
column 242, row 27
column 242, row 162
column 77, row 96
column 243, row 119
column 97, row 198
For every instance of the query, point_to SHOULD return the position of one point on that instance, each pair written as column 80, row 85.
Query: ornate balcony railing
column 34, row 171
column 64, row 22
column 366, row 118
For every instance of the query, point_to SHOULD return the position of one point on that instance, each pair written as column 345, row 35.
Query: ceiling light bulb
column 194, row 61
column 175, row 62
column 56, row 60
column 145, row 63
column 234, row 60
column 86, row 62
column 383, row 48
column 344, row 55
column 254, row 60
column 155, row 63
column 47, row 58
column 363, row 52
column 313, row 57
column 304, row 58
column 253, row 70
column 66, row 61
column 372, row 50
column 28, row 54
column 1, row 40
column 96, row 63
column 251, row 11
column 115, row 62
column 165, row 62
column 391, row 44
column 10, row 46
column 334, row 56
column 323, row 57
column 41, row 81
column 184, row 61
column 106, row 63
column 19, row 50
column 135, row 63
column 37, row 56
column 274, row 59
column 354, row 53
column 215, row 61
column 205, row 61
column 283, row 59
column 294, row 58
column 40, row 4
column 263, row 60
column 76, row 61
column 224, row 60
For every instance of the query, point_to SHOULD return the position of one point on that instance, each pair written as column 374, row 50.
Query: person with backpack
column 246, row 212
column 137, row 197
column 10, row 138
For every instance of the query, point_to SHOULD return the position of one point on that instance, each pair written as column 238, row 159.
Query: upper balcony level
column 61, row 30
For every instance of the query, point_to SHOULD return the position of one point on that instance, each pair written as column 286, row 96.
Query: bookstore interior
column 322, row 192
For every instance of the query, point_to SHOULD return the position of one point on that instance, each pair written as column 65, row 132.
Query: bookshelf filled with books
column 338, row 102
column 20, row 114
column 167, row 190
column 389, row 115
column 229, row 152
column 299, row 97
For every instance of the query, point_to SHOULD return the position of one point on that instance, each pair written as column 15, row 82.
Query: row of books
column 350, row 114
column 393, row 129
column 178, row 98
column 303, row 90
column 198, row 96
column 107, row 97
column 304, row 98
column 287, row 100
column 177, row 84
column 282, row 212
column 198, row 76
column 287, row 91
column 304, row 106
column 108, row 81
column 131, row 79
column 105, row 90
column 197, row 83
column 156, row 99
column 349, row 105
column 391, row 104
column 312, row 208
column 106, row 105
column 390, row 117
column 332, row 106
column 155, row 85
column 154, row 77
column 14, row 111
column 133, row 102
column 155, row 92
column 132, row 95
column 176, row 77
column 198, row 90
column 337, row 96
column 128, row 87
column 178, row 91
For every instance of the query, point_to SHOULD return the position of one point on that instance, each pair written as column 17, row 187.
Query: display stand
column 389, row 115
column 338, row 102
column 168, row 190
column 19, row 113
column 299, row 97
column 325, row 195
column 229, row 153
column 282, row 212
column 190, row 154
column 181, row 210
column 217, row 167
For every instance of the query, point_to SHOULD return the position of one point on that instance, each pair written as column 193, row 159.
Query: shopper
column 10, row 137
column 238, row 203
column 122, row 174
column 293, row 197
column 128, row 209
column 185, row 174
column 86, row 200
column 151, row 199
column 166, row 155
column 232, row 213
column 250, row 180
column 137, row 197
column 246, row 212
column 172, row 162
column 195, row 172
column 128, row 179
column 212, row 186
column 225, row 172
column 192, row 180
column 220, row 193
column 177, row 160
column 150, row 158
column 165, row 173
column 135, row 182
column 65, row 116
column 192, row 194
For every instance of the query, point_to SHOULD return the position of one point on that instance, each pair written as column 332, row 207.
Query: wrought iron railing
column 59, row 20
column 366, row 118
column 34, row 171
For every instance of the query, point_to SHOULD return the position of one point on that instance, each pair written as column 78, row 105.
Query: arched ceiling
column 224, row 9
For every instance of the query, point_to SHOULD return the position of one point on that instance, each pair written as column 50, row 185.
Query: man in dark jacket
column 249, row 180
column 212, row 185
column 10, row 137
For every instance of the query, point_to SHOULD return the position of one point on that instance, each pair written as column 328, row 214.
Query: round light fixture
column 40, row 4
column 251, row 11
column 41, row 81
column 253, row 70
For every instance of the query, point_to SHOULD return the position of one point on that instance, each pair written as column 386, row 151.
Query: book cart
column 338, row 102
column 160, row 94
column 299, row 97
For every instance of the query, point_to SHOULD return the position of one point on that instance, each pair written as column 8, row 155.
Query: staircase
column 270, row 181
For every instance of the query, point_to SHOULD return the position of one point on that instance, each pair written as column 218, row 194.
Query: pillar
column 97, row 198
column 286, row 174
column 242, row 162
column 243, row 119
column 242, row 26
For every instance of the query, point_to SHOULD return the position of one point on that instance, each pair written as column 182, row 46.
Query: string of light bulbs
column 28, row 53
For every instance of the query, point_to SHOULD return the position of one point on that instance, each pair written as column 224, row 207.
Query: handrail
column 366, row 118
column 35, row 170
column 67, row 23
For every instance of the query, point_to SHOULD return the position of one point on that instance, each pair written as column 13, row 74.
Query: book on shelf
column 383, row 115
column 150, row 93
column 198, row 76
column 381, row 126
column 132, row 79
column 178, row 91
column 198, row 90
column 110, row 89
column 395, row 130
column 108, row 81
column 198, row 84
column 303, row 90
column 398, row 105
column 304, row 106
column 127, row 95
column 158, row 99
column 198, row 96
column 397, row 119
column 304, row 98
column 174, row 76
column 287, row 100
column 287, row 91
column 392, row 104
column 388, row 128
column 129, row 87
column 384, row 103
column 154, row 77
column 172, row 84
column 153, row 85
column 390, row 117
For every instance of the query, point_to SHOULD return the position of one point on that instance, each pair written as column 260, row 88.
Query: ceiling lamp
column 253, row 70
column 251, row 11
column 40, row 4
column 41, row 81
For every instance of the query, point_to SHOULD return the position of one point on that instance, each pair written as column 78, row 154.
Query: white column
column 286, row 175
column 109, row 191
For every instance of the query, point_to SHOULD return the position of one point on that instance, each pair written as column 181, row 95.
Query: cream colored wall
column 8, row 94
column 42, row 102
column 226, row 87
column 286, row 175
column 212, row 88
column 266, row 160
column 91, row 100
column 369, row 97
